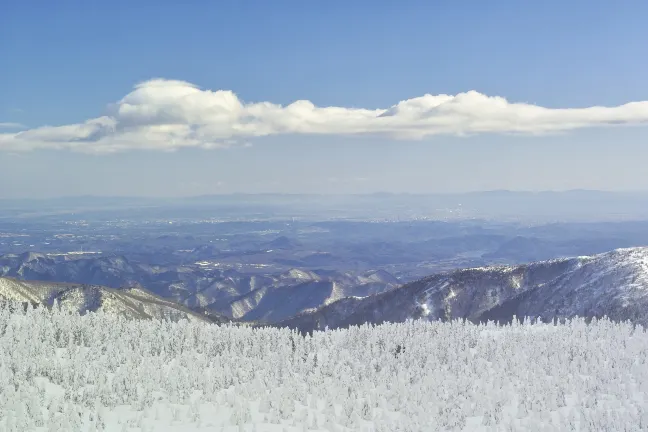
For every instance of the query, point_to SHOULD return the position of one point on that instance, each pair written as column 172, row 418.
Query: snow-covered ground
column 64, row 372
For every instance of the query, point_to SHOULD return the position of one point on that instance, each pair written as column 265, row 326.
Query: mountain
column 282, row 242
column 135, row 302
column 201, row 286
column 102, row 270
column 297, row 291
column 613, row 284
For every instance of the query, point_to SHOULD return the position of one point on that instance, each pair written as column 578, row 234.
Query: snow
column 135, row 303
column 425, row 309
column 72, row 253
column 613, row 284
column 300, row 274
column 65, row 372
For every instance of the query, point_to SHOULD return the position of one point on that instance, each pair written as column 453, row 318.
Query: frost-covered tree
column 520, row 376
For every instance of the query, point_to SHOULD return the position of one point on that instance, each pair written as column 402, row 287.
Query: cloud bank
column 168, row 115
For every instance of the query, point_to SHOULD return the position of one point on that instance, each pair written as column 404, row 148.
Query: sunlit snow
column 65, row 372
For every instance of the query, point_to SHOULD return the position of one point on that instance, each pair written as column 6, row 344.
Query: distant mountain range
column 227, row 292
column 613, row 284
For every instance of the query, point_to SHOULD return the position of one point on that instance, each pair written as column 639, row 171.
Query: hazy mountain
column 131, row 302
column 113, row 271
column 282, row 242
column 613, row 284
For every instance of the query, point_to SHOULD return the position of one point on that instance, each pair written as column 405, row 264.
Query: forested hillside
column 65, row 372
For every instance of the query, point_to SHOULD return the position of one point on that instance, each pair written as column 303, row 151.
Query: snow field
column 64, row 372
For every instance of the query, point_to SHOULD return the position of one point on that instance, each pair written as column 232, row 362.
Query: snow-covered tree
column 79, row 372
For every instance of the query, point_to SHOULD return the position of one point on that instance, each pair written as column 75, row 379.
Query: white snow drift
column 65, row 372
column 165, row 114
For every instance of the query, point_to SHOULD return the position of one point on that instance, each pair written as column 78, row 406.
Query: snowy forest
column 99, row 372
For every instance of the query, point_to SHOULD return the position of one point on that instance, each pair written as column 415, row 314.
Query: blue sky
column 67, row 62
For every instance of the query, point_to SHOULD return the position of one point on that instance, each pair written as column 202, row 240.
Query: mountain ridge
column 200, row 286
column 135, row 303
column 613, row 284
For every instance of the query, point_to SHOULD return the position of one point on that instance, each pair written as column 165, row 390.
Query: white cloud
column 11, row 125
column 168, row 115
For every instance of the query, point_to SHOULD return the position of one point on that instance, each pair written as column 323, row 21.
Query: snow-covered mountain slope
column 112, row 271
column 132, row 303
column 614, row 284
column 279, row 301
column 201, row 286
column 271, row 304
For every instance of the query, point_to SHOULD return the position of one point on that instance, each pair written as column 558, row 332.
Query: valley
column 312, row 274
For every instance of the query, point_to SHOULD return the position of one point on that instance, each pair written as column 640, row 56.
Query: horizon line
column 314, row 194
